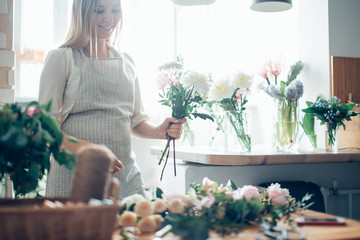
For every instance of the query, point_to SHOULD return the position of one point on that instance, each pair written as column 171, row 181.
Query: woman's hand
column 171, row 126
column 117, row 166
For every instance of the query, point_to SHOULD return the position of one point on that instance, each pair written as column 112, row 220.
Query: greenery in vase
column 330, row 112
column 308, row 124
column 27, row 139
column 183, row 91
column 286, row 95
column 229, row 93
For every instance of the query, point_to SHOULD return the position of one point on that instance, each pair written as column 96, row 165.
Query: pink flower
column 143, row 208
column 176, row 206
column 278, row 196
column 276, row 68
column 31, row 111
column 176, row 196
column 162, row 80
column 248, row 192
column 207, row 201
column 208, row 184
column 147, row 224
column 127, row 219
column 158, row 220
column 159, row 205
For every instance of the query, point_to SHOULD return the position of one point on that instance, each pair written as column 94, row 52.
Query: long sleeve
column 53, row 81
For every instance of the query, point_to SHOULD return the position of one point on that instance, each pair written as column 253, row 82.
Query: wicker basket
column 19, row 220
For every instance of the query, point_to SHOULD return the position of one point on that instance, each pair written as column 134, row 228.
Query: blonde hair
column 80, row 31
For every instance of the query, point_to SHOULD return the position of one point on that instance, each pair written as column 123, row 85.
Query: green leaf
column 159, row 193
column 203, row 116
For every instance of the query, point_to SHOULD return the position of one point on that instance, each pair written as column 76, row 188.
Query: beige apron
column 102, row 114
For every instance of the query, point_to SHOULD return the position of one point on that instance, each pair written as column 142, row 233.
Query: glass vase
column 286, row 124
column 6, row 187
column 188, row 136
column 332, row 130
column 238, row 130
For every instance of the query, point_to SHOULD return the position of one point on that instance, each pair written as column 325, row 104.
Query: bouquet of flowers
column 330, row 112
column 183, row 91
column 210, row 206
column 230, row 95
column 27, row 139
column 286, row 95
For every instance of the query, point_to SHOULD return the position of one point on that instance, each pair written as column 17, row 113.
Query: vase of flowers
column 286, row 95
column 229, row 94
column 27, row 139
column 331, row 113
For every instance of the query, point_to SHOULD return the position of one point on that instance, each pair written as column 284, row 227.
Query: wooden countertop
column 349, row 231
column 203, row 155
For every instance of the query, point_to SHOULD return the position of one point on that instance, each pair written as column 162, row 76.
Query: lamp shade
column 192, row 2
column 270, row 5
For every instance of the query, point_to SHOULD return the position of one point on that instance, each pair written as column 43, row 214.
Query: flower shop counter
column 349, row 231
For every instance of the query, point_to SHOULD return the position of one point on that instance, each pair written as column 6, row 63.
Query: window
column 219, row 38
column 40, row 25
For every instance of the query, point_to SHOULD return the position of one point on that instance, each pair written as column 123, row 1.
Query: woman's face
column 106, row 17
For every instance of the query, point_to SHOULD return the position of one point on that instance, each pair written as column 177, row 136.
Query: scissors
column 278, row 233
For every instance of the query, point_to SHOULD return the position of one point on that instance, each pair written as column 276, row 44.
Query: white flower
column 198, row 80
column 133, row 199
column 241, row 80
column 221, row 89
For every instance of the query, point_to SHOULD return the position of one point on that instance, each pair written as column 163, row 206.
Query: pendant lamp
column 270, row 5
column 193, row 2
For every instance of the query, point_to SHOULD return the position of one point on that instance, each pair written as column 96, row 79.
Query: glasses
column 279, row 234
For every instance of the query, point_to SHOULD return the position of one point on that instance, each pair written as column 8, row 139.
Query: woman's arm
column 171, row 126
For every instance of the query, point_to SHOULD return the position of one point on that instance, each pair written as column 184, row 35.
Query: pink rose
column 158, row 220
column 159, row 205
column 277, row 195
column 127, row 219
column 176, row 206
column 147, row 224
column 143, row 208
column 248, row 192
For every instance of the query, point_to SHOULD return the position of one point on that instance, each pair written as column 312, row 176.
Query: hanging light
column 270, row 5
column 193, row 2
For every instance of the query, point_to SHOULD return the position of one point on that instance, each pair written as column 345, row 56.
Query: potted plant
column 27, row 139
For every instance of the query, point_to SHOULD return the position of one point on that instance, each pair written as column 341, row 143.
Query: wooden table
column 350, row 231
column 203, row 155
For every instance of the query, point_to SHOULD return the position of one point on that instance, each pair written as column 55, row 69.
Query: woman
column 96, row 96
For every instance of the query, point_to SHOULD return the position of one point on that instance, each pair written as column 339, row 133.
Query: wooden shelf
column 204, row 156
